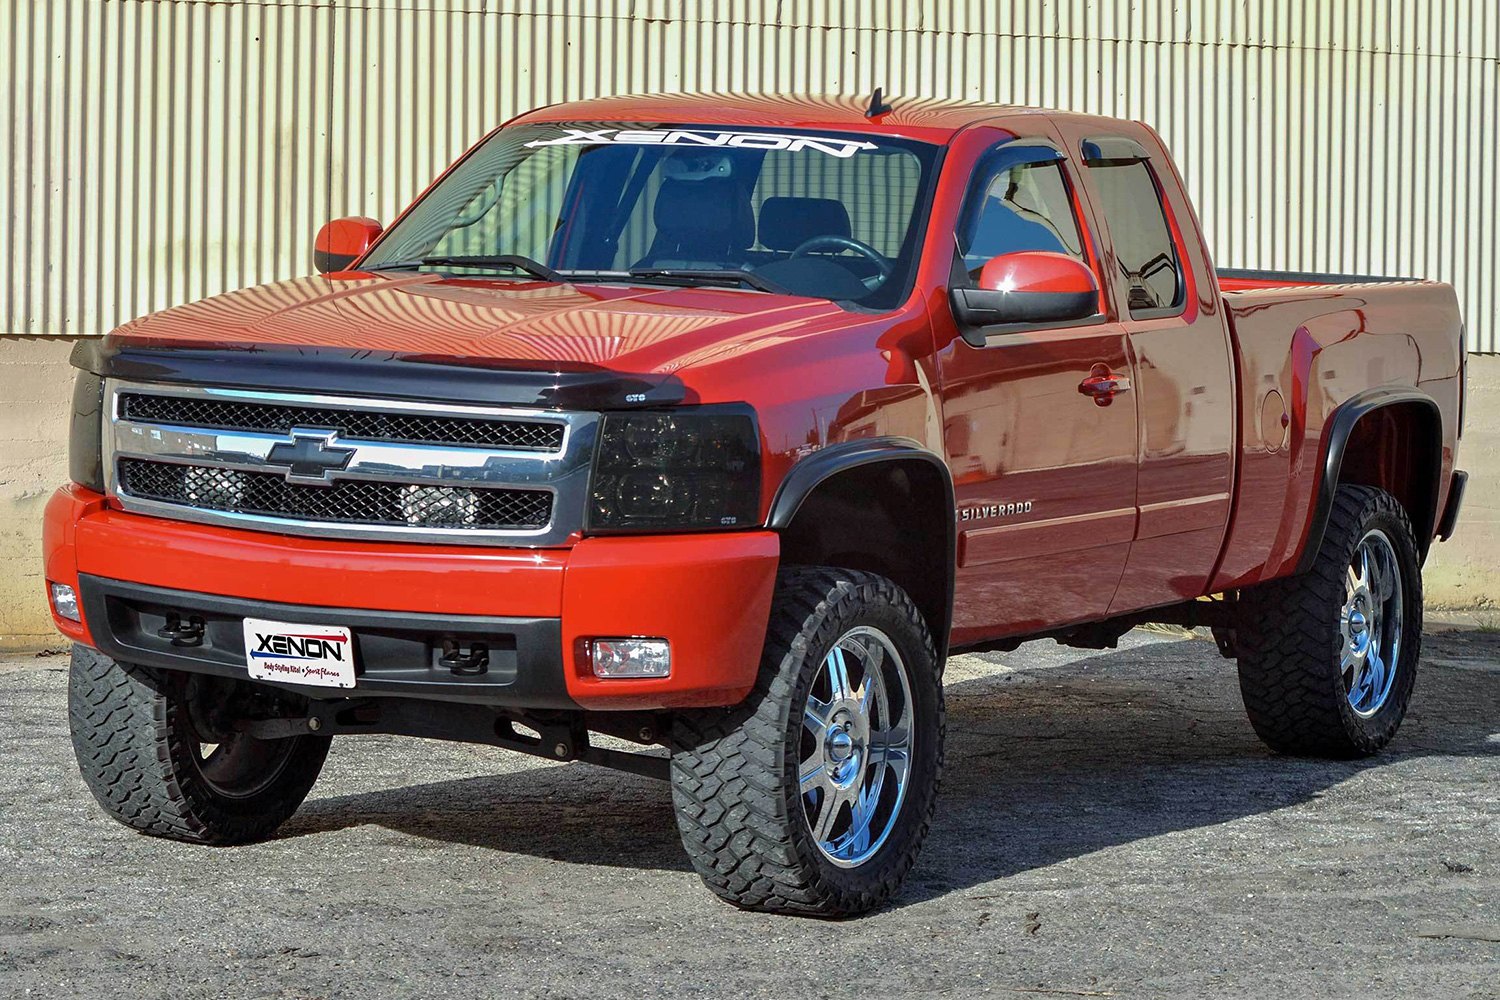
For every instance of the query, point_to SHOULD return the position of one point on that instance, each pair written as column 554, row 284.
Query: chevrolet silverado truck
column 689, row 435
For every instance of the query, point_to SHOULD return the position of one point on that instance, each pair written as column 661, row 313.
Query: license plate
column 292, row 653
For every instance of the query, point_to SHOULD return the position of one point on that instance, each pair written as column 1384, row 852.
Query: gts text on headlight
column 690, row 469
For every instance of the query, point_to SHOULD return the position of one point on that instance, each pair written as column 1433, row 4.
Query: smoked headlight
column 682, row 470
column 86, row 433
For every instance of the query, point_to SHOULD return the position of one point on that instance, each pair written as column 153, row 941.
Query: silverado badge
column 982, row 512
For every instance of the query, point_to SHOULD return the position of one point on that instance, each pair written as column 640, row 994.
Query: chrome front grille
column 281, row 418
column 346, row 501
column 351, row 467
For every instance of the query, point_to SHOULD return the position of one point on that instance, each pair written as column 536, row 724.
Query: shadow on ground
column 1041, row 767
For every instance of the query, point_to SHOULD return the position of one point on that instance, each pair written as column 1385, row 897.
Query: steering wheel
column 841, row 243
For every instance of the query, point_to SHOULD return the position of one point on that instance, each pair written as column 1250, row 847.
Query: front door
column 1044, row 473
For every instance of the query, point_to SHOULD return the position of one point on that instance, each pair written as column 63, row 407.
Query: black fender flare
column 1340, row 428
column 825, row 463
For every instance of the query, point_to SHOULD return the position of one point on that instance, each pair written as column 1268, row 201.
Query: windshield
column 827, row 214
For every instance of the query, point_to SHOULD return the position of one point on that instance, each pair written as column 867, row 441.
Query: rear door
column 1183, row 371
column 1044, row 475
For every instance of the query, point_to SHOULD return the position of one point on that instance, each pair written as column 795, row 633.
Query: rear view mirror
column 343, row 241
column 1030, row 286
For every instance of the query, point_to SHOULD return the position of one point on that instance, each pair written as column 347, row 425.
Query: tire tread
column 1293, row 699
column 128, row 736
column 735, row 818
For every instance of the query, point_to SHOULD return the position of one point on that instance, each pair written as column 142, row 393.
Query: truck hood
column 426, row 336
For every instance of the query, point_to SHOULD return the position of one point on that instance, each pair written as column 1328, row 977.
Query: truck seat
column 700, row 224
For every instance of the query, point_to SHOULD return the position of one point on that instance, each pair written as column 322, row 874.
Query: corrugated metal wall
column 162, row 150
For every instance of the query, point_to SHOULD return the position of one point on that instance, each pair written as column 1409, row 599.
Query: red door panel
column 1184, row 378
column 1185, row 394
column 1043, row 475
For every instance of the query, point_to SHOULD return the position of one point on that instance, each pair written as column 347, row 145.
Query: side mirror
column 1030, row 286
column 342, row 242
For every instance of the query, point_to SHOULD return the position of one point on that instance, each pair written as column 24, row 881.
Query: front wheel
column 813, row 796
column 156, row 749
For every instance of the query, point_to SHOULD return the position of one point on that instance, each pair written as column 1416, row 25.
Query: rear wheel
column 1328, row 658
column 813, row 796
column 159, row 752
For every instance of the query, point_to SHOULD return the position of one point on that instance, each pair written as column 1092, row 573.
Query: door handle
column 1104, row 385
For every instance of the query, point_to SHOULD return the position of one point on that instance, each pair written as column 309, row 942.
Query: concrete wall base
column 1464, row 573
column 35, row 392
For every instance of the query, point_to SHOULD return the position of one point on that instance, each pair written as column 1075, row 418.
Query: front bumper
column 709, row 595
column 397, row 653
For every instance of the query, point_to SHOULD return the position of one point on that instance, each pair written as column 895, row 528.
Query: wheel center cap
column 1357, row 622
column 840, row 745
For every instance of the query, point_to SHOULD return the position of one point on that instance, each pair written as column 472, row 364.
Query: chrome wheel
column 1370, row 624
column 856, row 746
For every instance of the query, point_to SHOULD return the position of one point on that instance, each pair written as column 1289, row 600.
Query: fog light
column 65, row 602
column 631, row 657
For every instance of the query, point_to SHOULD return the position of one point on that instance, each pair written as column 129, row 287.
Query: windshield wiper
column 710, row 276
column 515, row 261
column 536, row 269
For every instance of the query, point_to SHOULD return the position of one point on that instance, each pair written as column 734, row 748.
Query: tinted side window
column 1143, row 243
column 1021, row 206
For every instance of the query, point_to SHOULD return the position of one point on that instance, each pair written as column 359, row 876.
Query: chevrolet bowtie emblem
column 309, row 457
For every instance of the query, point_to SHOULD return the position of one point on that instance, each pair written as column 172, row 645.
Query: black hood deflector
column 383, row 374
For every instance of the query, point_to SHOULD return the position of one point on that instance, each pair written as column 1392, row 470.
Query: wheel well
column 1398, row 448
column 892, row 517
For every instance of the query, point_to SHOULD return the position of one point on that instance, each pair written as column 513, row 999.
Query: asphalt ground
column 1109, row 826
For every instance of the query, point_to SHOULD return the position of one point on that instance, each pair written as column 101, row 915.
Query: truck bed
column 1304, row 345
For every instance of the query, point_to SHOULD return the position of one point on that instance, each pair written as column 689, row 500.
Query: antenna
column 877, row 104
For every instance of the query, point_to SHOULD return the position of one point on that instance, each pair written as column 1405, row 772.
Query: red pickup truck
column 717, row 424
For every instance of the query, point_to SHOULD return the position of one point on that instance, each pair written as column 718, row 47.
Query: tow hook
column 466, row 663
column 182, row 631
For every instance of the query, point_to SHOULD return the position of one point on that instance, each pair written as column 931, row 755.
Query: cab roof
column 930, row 120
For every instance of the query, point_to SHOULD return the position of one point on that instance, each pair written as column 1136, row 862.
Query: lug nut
column 314, row 723
column 561, row 750
column 646, row 735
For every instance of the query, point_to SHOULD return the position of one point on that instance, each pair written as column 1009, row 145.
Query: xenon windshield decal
column 842, row 148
